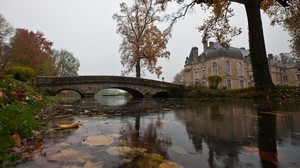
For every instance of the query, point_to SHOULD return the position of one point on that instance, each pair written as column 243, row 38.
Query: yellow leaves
column 143, row 42
column 69, row 126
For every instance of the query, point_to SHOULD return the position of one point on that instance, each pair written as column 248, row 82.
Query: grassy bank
column 281, row 93
column 20, row 114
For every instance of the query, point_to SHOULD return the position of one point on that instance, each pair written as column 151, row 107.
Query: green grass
column 20, row 112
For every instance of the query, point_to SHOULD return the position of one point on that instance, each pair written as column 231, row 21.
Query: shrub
column 214, row 81
column 21, row 73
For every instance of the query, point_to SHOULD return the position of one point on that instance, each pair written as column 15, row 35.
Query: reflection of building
column 223, row 128
column 234, row 65
column 226, row 121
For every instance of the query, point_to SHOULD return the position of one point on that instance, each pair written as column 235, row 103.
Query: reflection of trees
column 267, row 137
column 146, row 137
column 224, row 126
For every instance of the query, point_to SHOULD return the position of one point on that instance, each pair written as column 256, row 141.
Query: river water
column 121, row 132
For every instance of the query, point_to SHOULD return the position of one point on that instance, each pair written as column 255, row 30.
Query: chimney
column 204, row 42
column 211, row 45
column 270, row 56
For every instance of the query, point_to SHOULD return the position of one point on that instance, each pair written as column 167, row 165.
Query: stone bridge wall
column 90, row 85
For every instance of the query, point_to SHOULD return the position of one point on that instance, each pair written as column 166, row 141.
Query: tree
column 214, row 81
column 288, row 18
column 32, row 50
column 143, row 42
column 65, row 63
column 292, row 24
column 179, row 77
column 6, row 31
column 218, row 23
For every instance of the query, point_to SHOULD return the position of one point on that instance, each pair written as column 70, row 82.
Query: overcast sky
column 86, row 29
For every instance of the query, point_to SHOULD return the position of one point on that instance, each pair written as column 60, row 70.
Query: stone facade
column 234, row 66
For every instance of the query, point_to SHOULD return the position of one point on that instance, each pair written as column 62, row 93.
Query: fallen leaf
column 251, row 149
column 16, row 138
column 70, row 155
column 68, row 126
column 169, row 164
column 122, row 150
column 179, row 150
column 98, row 140
column 90, row 164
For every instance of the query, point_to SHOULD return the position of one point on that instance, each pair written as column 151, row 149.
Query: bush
column 21, row 73
column 214, row 81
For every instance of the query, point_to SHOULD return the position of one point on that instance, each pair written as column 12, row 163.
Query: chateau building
column 234, row 66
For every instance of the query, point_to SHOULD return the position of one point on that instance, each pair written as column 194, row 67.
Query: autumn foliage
column 142, row 41
column 32, row 50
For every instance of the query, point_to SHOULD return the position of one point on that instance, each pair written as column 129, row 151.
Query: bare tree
column 179, row 77
column 6, row 31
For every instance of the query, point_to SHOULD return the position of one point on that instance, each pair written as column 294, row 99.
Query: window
column 228, row 84
column 298, row 76
column 196, row 77
column 203, row 74
column 227, row 68
column 241, row 84
column 215, row 68
column 285, row 78
column 240, row 69
column 248, row 75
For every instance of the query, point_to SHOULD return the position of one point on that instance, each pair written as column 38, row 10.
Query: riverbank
column 21, row 119
column 280, row 93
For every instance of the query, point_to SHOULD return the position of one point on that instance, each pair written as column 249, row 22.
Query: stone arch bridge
column 88, row 86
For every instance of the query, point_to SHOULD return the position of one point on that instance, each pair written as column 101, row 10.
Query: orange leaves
column 143, row 42
column 30, row 49
column 69, row 126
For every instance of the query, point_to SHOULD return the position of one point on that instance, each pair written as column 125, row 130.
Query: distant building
column 234, row 65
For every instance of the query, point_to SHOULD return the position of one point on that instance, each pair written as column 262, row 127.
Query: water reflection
column 112, row 100
column 189, row 133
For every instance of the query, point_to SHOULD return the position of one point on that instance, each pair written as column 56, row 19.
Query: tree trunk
column 138, row 69
column 260, row 66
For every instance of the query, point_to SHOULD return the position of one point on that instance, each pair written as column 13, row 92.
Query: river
column 121, row 132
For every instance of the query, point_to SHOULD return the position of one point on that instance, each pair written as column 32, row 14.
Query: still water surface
column 173, row 133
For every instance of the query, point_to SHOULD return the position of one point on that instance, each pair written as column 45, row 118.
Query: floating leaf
column 70, row 155
column 168, row 164
column 69, row 126
column 179, row 150
column 122, row 150
column 98, row 140
column 251, row 149
column 114, row 135
column 296, row 133
column 90, row 164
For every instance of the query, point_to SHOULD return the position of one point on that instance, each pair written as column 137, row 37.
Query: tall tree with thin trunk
column 6, row 31
column 217, row 26
column 142, row 41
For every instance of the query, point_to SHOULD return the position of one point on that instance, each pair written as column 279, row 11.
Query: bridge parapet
column 90, row 85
